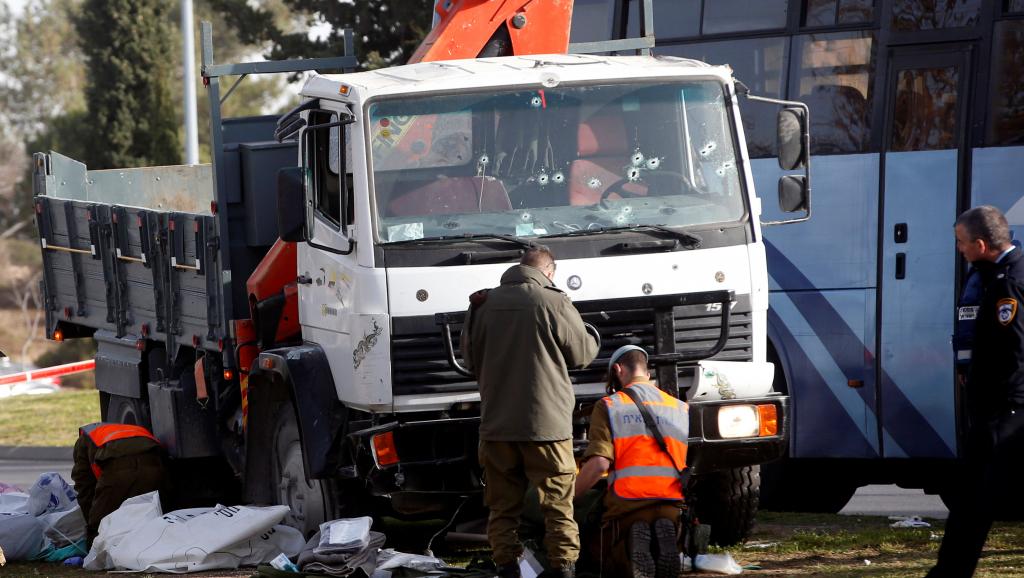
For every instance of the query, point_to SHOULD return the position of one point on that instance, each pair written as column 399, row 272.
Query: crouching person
column 113, row 462
column 642, row 506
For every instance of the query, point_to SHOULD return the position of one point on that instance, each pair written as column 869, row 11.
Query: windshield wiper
column 471, row 237
column 688, row 240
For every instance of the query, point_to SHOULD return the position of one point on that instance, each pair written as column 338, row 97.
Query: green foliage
column 129, row 46
column 387, row 32
column 68, row 352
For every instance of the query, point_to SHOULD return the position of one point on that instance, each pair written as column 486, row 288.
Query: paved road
column 24, row 473
column 894, row 501
column 869, row 500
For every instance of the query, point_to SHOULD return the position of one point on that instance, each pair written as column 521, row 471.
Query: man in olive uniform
column 113, row 462
column 520, row 339
column 994, row 392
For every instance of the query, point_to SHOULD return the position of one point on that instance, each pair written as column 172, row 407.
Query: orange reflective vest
column 641, row 469
column 103, row 433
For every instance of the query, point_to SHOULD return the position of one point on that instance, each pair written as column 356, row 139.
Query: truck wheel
column 129, row 410
column 728, row 500
column 310, row 501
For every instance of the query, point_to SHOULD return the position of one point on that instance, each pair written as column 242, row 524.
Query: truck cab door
column 327, row 261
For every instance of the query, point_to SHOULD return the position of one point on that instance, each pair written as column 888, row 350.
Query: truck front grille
column 421, row 366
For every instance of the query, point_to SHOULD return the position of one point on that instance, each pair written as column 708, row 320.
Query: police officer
column 994, row 390
column 640, row 523
column 113, row 462
column 520, row 339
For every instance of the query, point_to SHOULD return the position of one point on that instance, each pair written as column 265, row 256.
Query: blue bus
column 917, row 113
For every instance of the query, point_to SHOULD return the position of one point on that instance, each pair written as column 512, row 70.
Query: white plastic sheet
column 21, row 536
column 138, row 537
column 47, row 515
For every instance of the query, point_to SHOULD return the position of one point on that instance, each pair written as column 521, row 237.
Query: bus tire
column 728, row 501
column 310, row 502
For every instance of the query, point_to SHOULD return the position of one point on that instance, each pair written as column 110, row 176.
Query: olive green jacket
column 520, row 341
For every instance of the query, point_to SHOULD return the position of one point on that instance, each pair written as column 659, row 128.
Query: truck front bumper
column 709, row 448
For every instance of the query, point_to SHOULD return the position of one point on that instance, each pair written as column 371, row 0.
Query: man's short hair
column 538, row 257
column 633, row 360
column 986, row 223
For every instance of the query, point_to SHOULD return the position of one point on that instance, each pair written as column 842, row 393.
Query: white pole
column 188, row 57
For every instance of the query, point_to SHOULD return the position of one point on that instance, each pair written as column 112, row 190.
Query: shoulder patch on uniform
column 1006, row 310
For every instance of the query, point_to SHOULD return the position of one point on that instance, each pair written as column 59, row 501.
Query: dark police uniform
column 995, row 406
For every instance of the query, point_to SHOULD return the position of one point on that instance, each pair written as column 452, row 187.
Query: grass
column 786, row 544
column 47, row 420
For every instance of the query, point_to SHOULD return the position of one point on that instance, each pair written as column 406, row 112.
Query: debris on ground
column 44, row 523
column 713, row 563
column 908, row 522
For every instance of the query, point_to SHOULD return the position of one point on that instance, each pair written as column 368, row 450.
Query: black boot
column 641, row 560
column 567, row 570
column 667, row 563
column 510, row 570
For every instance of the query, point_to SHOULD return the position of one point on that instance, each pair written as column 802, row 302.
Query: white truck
column 289, row 317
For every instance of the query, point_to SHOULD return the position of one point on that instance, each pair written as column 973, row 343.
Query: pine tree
column 129, row 46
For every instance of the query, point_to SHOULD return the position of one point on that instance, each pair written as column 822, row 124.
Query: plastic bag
column 21, row 536
column 13, row 503
column 65, row 527
column 138, row 537
column 51, row 493
column 346, row 534
column 714, row 563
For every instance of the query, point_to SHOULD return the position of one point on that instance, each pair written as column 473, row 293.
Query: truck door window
column 326, row 153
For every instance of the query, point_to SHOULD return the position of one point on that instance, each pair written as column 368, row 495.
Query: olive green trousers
column 509, row 468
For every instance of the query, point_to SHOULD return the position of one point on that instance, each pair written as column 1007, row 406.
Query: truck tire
column 728, row 501
column 129, row 410
column 310, row 500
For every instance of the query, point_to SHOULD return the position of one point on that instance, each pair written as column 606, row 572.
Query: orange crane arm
column 467, row 26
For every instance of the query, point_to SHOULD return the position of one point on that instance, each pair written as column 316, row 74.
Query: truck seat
column 603, row 158
column 450, row 195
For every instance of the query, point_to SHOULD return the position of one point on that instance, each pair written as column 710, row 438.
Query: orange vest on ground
column 103, row 433
column 641, row 469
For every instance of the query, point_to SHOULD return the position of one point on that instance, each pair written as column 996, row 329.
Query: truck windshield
column 547, row 161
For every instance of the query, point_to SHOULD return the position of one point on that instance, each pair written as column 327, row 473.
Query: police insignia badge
column 1006, row 309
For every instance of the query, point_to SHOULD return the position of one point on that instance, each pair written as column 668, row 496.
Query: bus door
column 922, row 174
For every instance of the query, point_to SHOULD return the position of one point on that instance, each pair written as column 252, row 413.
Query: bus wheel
column 309, row 500
column 728, row 501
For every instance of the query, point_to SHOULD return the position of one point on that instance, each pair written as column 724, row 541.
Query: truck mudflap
column 712, row 448
column 421, row 465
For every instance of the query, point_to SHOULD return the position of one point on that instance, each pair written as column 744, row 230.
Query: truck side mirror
column 792, row 135
column 291, row 205
column 794, row 194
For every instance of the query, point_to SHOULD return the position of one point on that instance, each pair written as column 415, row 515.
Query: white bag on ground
column 191, row 540
column 21, row 536
column 50, row 493
column 65, row 527
column 13, row 503
column 133, row 513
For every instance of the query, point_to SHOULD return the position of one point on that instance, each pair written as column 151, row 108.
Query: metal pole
column 188, row 58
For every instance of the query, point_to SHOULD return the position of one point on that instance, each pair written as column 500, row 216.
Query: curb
column 38, row 453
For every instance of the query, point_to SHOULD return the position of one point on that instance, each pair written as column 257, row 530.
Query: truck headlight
column 738, row 421
column 748, row 421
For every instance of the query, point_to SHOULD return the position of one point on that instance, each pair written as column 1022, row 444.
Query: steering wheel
column 616, row 187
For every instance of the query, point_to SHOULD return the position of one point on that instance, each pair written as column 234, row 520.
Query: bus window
column 926, row 107
column 722, row 16
column 836, row 80
column 914, row 15
column 674, row 19
column 833, row 12
column 591, row 21
column 761, row 64
column 1007, row 95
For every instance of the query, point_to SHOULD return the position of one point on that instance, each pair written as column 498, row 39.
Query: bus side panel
column 822, row 316
column 996, row 180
